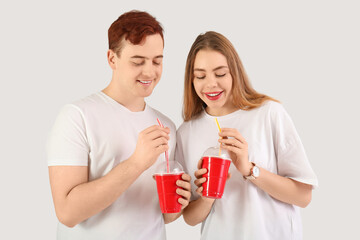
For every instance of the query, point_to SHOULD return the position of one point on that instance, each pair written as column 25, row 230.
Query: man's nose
column 148, row 70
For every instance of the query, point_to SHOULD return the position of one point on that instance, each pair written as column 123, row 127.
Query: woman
column 270, row 174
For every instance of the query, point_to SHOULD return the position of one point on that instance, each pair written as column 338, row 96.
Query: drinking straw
column 166, row 152
column 218, row 125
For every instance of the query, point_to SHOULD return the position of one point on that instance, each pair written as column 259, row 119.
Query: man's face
column 138, row 68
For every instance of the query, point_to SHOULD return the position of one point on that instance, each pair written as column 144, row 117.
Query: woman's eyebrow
column 203, row 70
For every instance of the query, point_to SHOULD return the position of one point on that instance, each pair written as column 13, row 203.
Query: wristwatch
column 254, row 172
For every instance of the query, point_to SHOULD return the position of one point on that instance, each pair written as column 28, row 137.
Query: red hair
column 134, row 26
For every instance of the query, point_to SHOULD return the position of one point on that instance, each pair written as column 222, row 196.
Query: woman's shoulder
column 187, row 125
column 272, row 107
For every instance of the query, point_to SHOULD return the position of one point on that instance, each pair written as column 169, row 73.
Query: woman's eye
column 200, row 77
column 220, row 75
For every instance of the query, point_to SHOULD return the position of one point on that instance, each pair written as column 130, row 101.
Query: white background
column 304, row 53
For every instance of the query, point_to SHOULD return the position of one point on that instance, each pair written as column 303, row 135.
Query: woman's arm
column 198, row 210
column 281, row 188
column 284, row 189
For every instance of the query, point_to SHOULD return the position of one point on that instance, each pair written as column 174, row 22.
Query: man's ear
column 111, row 57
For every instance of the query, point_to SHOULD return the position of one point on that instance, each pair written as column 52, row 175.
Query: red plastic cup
column 216, row 176
column 166, row 188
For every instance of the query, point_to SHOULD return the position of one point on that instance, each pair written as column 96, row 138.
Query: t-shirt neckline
column 224, row 117
column 122, row 107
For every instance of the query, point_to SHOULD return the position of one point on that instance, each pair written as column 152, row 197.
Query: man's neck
column 128, row 101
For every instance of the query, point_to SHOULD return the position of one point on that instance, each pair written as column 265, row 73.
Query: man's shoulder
column 92, row 100
column 165, row 120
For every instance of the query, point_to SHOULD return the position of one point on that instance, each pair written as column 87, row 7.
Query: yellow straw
column 218, row 125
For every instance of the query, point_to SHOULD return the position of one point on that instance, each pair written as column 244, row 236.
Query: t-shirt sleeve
column 179, row 156
column 67, row 143
column 292, row 161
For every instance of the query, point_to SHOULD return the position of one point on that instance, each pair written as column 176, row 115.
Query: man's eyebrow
column 142, row 57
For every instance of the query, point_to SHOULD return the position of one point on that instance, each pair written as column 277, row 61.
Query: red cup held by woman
column 217, row 162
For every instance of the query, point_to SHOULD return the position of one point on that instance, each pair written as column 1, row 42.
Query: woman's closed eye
column 220, row 75
column 200, row 76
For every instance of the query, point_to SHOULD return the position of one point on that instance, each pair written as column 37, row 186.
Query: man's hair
column 134, row 26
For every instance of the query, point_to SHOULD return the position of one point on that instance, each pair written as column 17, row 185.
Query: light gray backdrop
column 304, row 53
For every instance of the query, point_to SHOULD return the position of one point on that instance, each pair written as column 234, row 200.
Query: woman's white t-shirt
column 245, row 211
column 100, row 133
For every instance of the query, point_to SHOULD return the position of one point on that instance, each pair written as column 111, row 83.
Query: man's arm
column 76, row 199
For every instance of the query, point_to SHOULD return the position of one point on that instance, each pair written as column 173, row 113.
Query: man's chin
column 146, row 93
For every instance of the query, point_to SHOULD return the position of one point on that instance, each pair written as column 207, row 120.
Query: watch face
column 256, row 171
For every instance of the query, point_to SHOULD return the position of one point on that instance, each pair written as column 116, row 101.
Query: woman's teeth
column 213, row 94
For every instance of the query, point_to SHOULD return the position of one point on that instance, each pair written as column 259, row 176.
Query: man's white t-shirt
column 245, row 211
column 98, row 132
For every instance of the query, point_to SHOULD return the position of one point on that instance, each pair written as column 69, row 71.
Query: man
column 102, row 149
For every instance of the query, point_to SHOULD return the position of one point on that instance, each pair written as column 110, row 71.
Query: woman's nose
column 211, row 81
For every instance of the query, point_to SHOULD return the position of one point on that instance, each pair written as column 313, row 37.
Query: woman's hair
column 134, row 26
column 243, row 95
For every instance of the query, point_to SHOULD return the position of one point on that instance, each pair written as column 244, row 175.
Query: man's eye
column 138, row 63
column 156, row 63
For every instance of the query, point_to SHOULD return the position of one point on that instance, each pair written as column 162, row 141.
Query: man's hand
column 151, row 143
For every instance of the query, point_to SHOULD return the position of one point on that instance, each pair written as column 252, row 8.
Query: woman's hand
column 200, row 180
column 237, row 147
column 199, row 177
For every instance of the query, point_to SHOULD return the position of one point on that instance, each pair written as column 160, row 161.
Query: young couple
column 102, row 149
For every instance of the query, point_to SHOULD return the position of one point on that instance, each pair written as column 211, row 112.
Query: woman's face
column 213, row 82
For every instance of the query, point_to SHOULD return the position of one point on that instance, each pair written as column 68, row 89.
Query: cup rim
column 216, row 157
column 162, row 174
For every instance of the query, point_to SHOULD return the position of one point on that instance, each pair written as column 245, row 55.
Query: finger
column 183, row 202
column 232, row 132
column 161, row 149
column 183, row 184
column 232, row 142
column 158, row 142
column 186, row 177
column 233, row 149
column 183, row 193
column 151, row 129
column 199, row 182
column 228, row 176
column 200, row 172
column 199, row 190
column 158, row 133
column 199, row 163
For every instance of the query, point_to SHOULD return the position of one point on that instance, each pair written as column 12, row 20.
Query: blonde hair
column 243, row 95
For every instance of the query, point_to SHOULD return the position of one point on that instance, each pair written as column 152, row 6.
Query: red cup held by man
column 166, row 174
